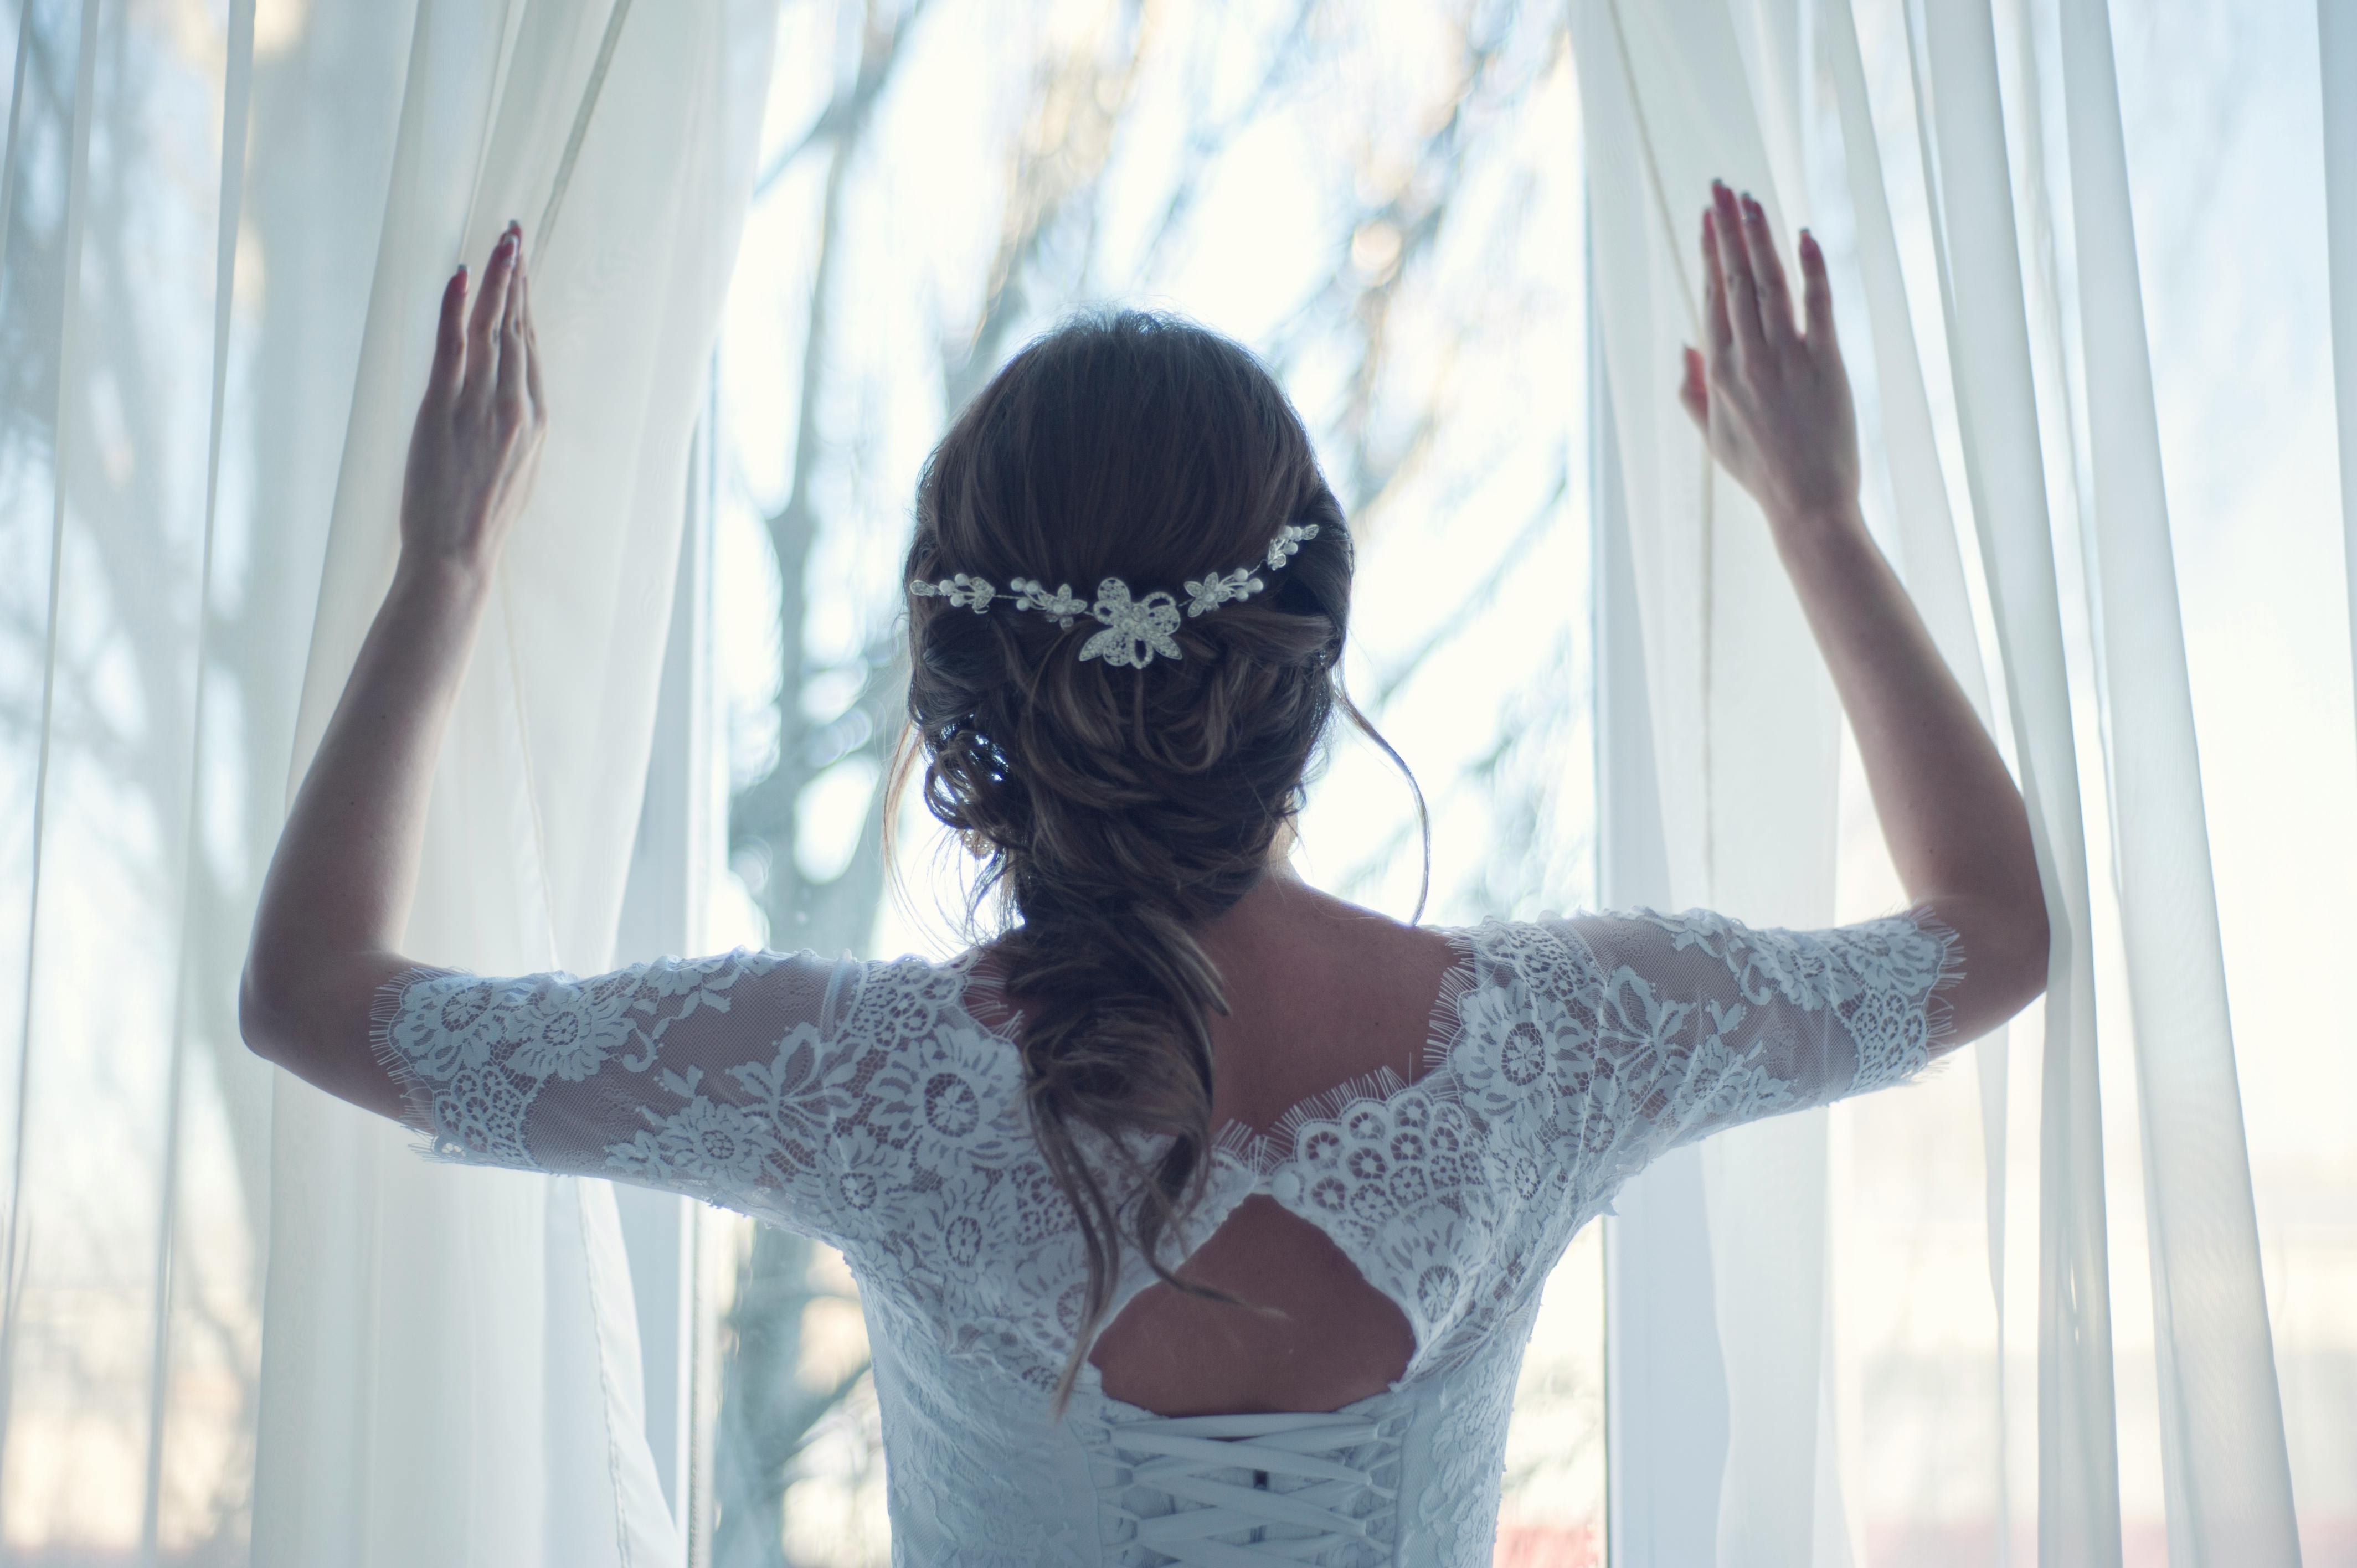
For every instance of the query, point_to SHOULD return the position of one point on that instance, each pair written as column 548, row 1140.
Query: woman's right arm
column 1773, row 401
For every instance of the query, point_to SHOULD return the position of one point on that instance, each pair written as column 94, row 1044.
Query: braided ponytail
column 1116, row 810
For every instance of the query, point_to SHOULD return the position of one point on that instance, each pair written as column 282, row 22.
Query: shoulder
column 1518, row 1013
column 1543, row 966
column 879, row 1001
column 1902, row 953
column 929, row 1075
column 1809, row 967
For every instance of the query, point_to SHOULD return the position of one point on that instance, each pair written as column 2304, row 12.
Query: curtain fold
column 1739, row 747
column 238, row 1320
column 1984, row 305
column 1745, row 734
column 2336, row 38
column 237, row 102
column 1929, row 560
column 2226, row 1469
column 427, row 1297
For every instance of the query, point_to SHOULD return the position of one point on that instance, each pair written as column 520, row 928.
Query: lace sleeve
column 736, row 1079
column 1694, row 1022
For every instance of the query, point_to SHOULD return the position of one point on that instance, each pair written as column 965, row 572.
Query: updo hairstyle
column 1115, row 811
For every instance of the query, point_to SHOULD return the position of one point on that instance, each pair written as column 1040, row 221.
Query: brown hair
column 1115, row 810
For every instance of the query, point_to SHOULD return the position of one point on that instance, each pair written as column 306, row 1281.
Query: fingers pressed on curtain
column 1817, row 296
column 532, row 352
column 512, row 351
column 490, row 303
column 1692, row 389
column 450, row 340
column 1775, row 294
column 1742, row 293
column 1720, row 350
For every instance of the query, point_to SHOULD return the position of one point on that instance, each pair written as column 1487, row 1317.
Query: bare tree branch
column 844, row 117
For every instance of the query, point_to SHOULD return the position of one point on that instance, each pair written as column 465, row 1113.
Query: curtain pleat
column 1745, row 735
column 2336, row 38
column 1714, row 88
column 237, row 90
column 2224, row 1462
column 448, row 1296
column 76, row 202
column 230, row 1329
column 15, row 125
column 1932, row 564
column 1666, row 1416
column 1977, row 250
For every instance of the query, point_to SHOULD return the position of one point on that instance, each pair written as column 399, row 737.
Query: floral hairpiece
column 1135, row 629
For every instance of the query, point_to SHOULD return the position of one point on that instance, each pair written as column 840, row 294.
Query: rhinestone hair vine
column 1135, row 629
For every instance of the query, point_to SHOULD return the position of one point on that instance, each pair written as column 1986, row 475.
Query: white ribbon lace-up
column 1295, row 1501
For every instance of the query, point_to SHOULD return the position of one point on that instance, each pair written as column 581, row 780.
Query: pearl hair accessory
column 1135, row 629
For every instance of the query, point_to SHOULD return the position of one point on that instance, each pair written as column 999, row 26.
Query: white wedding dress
column 863, row 1104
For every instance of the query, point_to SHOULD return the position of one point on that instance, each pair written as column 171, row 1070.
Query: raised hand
column 476, row 448
column 1772, row 401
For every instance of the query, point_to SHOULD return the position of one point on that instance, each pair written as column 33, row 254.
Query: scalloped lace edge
column 385, row 1010
column 1939, row 1009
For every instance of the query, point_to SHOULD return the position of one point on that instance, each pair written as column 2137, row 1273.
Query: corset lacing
column 1236, row 1491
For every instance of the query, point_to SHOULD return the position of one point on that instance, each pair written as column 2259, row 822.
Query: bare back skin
column 1320, row 990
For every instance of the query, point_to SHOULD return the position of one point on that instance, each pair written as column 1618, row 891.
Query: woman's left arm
column 338, row 893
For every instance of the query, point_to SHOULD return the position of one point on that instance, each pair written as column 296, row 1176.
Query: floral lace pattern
column 1458, row 1508
column 863, row 1104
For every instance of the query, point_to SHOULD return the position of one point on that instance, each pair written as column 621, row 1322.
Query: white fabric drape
column 1744, row 732
column 1739, row 744
column 220, row 249
column 2336, row 30
column 424, row 1294
column 2223, row 1447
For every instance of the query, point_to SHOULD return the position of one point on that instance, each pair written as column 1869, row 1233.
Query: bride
column 1199, row 1216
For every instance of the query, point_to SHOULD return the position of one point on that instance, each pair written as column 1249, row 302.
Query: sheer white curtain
column 1721, row 754
column 2337, row 50
column 227, row 227
column 419, row 1295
